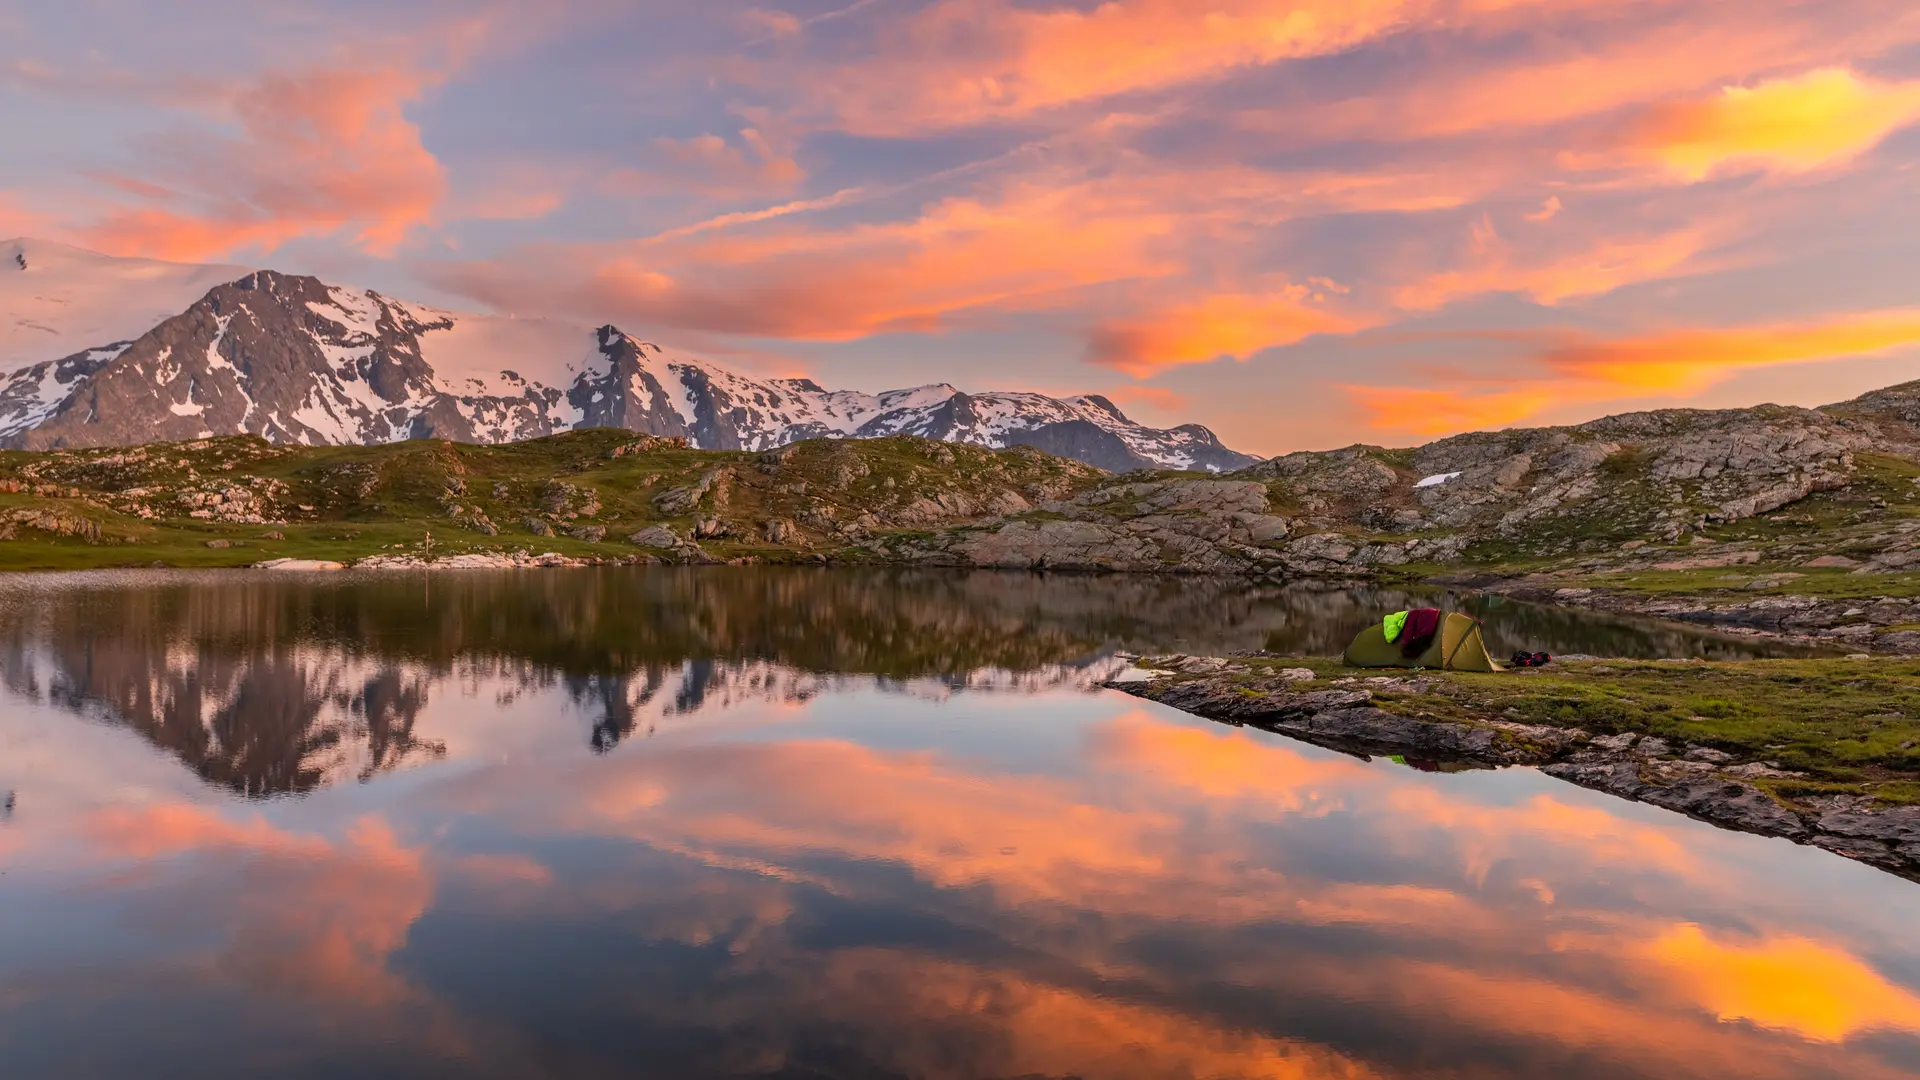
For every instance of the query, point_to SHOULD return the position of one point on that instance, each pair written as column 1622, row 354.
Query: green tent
column 1457, row 647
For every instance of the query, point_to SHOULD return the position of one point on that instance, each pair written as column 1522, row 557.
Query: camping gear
column 1393, row 624
column 1457, row 646
column 1422, row 625
column 1527, row 659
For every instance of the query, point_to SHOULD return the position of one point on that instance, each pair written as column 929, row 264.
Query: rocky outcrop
column 1656, row 475
column 1180, row 526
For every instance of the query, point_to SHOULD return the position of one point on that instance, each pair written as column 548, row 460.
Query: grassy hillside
column 236, row 501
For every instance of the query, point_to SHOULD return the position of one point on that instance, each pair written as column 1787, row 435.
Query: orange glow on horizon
column 1676, row 363
column 1225, row 324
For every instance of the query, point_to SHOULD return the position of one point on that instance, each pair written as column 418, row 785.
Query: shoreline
column 1864, row 624
column 1420, row 714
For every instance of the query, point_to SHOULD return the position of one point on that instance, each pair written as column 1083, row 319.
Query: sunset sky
column 1304, row 224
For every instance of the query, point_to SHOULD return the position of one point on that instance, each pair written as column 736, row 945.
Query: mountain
column 297, row 360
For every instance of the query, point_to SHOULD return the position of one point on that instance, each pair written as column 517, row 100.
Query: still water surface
column 828, row 824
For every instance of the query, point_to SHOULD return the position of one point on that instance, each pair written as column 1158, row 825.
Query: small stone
column 591, row 534
column 1297, row 674
column 1708, row 754
column 1859, row 656
column 219, row 544
column 1653, row 746
column 538, row 527
column 274, row 536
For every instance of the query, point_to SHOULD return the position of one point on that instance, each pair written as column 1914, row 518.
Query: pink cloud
column 718, row 168
column 318, row 153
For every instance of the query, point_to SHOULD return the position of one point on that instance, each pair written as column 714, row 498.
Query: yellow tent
column 1457, row 647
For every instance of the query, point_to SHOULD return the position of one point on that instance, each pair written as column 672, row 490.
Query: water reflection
column 827, row 858
column 269, row 685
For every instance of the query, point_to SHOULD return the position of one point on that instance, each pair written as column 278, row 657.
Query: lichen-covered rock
column 55, row 522
column 1059, row 545
column 656, row 536
column 562, row 499
column 712, row 528
column 682, row 500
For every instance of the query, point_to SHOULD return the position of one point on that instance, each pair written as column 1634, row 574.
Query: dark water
column 742, row 824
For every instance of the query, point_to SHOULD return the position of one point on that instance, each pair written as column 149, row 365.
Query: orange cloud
column 1564, row 267
column 319, row 152
column 1023, row 250
column 1676, row 363
column 1225, row 324
column 1690, row 360
column 1426, row 411
column 1582, row 70
column 960, row 62
column 1034, row 240
column 1787, row 983
column 1822, row 117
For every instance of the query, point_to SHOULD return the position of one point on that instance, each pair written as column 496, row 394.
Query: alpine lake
column 780, row 823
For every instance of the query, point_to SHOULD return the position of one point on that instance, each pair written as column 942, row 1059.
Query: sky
column 1304, row 224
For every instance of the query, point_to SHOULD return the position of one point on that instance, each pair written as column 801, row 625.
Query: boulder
column 656, row 536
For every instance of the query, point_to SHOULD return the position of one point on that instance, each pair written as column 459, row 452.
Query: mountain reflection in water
column 829, row 856
column 272, row 685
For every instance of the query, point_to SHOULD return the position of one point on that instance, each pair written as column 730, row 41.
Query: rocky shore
column 1449, row 719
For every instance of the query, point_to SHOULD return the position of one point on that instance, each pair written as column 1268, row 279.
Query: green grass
column 344, row 503
column 1849, row 725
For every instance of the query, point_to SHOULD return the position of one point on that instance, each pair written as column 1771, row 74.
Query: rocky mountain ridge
column 296, row 360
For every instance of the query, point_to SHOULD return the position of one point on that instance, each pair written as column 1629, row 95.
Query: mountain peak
column 1103, row 403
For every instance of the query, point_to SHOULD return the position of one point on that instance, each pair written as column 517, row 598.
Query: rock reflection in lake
column 768, row 825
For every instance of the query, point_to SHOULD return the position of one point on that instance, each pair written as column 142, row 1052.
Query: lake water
column 737, row 823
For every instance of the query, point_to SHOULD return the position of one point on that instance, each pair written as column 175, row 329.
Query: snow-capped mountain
column 294, row 359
